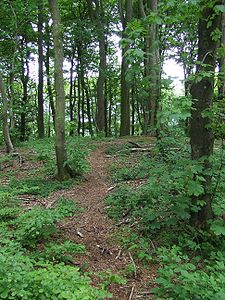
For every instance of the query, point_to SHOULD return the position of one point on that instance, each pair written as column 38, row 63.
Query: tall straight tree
column 40, row 70
column 152, row 67
column 96, row 11
column 5, row 126
column 64, row 171
column 202, row 91
column 125, row 94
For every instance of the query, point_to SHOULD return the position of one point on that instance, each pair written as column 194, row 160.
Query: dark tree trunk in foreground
column 202, row 91
column 40, row 120
column 5, row 126
column 221, row 76
column 125, row 95
column 64, row 171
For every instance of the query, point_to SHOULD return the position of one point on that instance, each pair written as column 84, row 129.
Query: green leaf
column 220, row 8
column 218, row 227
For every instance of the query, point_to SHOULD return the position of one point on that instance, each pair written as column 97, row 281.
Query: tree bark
column 48, row 75
column 71, row 98
column 221, row 75
column 25, row 80
column 125, row 87
column 40, row 120
column 63, row 170
column 5, row 126
column 152, row 69
column 97, row 15
column 202, row 91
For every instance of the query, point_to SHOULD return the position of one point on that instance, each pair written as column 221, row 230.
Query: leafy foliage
column 181, row 279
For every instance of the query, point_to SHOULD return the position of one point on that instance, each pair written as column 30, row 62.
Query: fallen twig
column 104, row 250
column 134, row 265
column 49, row 205
column 111, row 188
column 119, row 254
column 153, row 245
column 132, row 293
column 79, row 233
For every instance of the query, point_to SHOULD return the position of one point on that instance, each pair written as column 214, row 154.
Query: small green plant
column 37, row 186
column 65, row 208
column 138, row 245
column 8, row 213
column 34, row 226
column 108, row 278
column 59, row 252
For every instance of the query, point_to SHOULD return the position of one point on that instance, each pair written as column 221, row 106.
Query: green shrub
column 65, row 207
column 34, row 226
column 8, row 213
column 23, row 278
column 59, row 252
column 37, row 186
column 180, row 279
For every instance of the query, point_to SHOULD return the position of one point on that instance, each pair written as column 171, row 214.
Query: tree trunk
column 202, row 92
column 5, row 126
column 152, row 69
column 64, row 171
column 125, row 95
column 25, row 80
column 71, row 98
column 47, row 67
column 221, row 75
column 96, row 13
column 40, row 120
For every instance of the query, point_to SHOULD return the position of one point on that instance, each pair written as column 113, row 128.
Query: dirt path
column 97, row 232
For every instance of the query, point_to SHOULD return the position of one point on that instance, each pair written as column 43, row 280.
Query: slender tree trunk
column 202, row 92
column 5, row 126
column 71, row 98
column 25, row 80
column 40, row 122
column 47, row 67
column 11, row 98
column 96, row 13
column 79, row 99
column 64, row 171
column 125, row 94
column 110, row 110
column 133, row 111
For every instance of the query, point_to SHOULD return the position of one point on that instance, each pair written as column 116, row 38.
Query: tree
column 5, row 126
column 40, row 70
column 64, row 171
column 125, row 87
column 152, row 67
column 96, row 12
column 202, row 91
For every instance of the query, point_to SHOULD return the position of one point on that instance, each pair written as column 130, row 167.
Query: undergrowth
column 157, row 213
column 36, row 261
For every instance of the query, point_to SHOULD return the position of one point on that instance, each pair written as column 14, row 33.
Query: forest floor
column 91, row 226
column 99, row 233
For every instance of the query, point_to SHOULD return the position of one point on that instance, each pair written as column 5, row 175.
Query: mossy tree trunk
column 202, row 91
